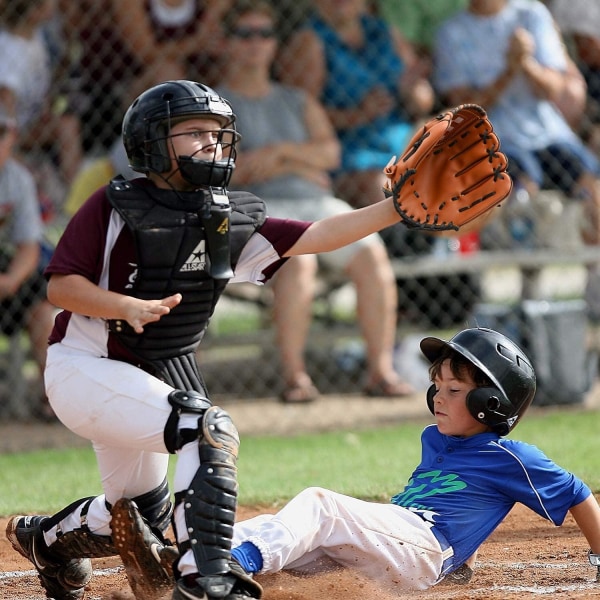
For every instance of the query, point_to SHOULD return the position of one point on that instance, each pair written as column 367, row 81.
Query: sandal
column 389, row 389
column 299, row 393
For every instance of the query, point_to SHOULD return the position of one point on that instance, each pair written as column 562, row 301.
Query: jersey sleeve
column 80, row 249
column 540, row 484
column 263, row 254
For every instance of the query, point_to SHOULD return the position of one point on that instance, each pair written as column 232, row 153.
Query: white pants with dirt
column 383, row 542
column 122, row 410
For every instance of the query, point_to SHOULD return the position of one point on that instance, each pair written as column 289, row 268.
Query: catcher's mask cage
column 147, row 127
column 503, row 362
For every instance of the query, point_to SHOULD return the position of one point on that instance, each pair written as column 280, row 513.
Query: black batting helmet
column 503, row 363
column 148, row 121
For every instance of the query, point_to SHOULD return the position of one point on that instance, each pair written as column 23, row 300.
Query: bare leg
column 589, row 188
column 39, row 326
column 294, row 289
column 376, row 297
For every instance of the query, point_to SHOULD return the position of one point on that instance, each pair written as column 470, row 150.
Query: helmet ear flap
column 430, row 394
column 490, row 406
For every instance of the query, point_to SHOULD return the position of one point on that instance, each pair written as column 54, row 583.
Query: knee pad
column 189, row 402
column 219, row 433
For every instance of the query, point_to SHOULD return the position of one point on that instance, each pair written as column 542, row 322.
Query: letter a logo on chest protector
column 196, row 261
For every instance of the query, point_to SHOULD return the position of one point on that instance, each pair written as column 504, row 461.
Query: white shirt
column 25, row 69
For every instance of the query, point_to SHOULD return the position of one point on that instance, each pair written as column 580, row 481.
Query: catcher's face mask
column 150, row 118
column 202, row 152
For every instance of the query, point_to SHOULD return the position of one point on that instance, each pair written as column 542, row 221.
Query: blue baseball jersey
column 464, row 487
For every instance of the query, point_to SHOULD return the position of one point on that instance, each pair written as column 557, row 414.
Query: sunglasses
column 245, row 33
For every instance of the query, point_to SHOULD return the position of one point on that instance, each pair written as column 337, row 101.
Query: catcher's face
column 450, row 404
column 198, row 138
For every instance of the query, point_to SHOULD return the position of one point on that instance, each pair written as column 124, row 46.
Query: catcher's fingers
column 147, row 559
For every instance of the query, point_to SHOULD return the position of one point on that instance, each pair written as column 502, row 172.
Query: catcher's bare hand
column 141, row 312
column 451, row 173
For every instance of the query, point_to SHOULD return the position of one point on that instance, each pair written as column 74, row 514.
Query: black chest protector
column 187, row 243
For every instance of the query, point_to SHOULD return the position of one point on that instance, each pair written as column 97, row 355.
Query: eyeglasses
column 245, row 33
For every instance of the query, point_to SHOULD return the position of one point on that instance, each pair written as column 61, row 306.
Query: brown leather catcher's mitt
column 451, row 172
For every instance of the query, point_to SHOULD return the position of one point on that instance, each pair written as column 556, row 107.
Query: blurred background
column 70, row 68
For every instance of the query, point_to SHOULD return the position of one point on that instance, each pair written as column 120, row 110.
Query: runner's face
column 450, row 404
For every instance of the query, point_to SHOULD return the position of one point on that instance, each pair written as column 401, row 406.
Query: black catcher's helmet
column 504, row 363
column 147, row 125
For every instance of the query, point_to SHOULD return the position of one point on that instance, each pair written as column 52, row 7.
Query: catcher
column 138, row 272
column 468, row 480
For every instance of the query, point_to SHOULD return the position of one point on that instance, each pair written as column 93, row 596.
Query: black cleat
column 62, row 579
column 147, row 558
column 235, row 585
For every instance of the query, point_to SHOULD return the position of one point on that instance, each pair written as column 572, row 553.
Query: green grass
column 371, row 464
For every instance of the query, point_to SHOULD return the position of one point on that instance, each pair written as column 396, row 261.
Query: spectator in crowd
column 120, row 47
column 375, row 89
column 371, row 83
column 99, row 71
column 580, row 24
column 287, row 147
column 22, row 285
column 183, row 34
column 517, row 83
column 26, row 80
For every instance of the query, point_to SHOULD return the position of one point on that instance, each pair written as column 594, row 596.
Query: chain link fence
column 90, row 58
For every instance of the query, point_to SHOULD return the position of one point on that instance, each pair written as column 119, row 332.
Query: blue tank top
column 351, row 74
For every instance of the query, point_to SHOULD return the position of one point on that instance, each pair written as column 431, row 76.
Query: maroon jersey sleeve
column 80, row 250
column 282, row 234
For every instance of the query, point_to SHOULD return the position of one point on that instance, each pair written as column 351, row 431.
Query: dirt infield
column 525, row 558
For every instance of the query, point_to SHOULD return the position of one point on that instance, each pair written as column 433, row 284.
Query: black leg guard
column 210, row 502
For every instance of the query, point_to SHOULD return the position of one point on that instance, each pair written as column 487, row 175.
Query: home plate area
column 526, row 557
